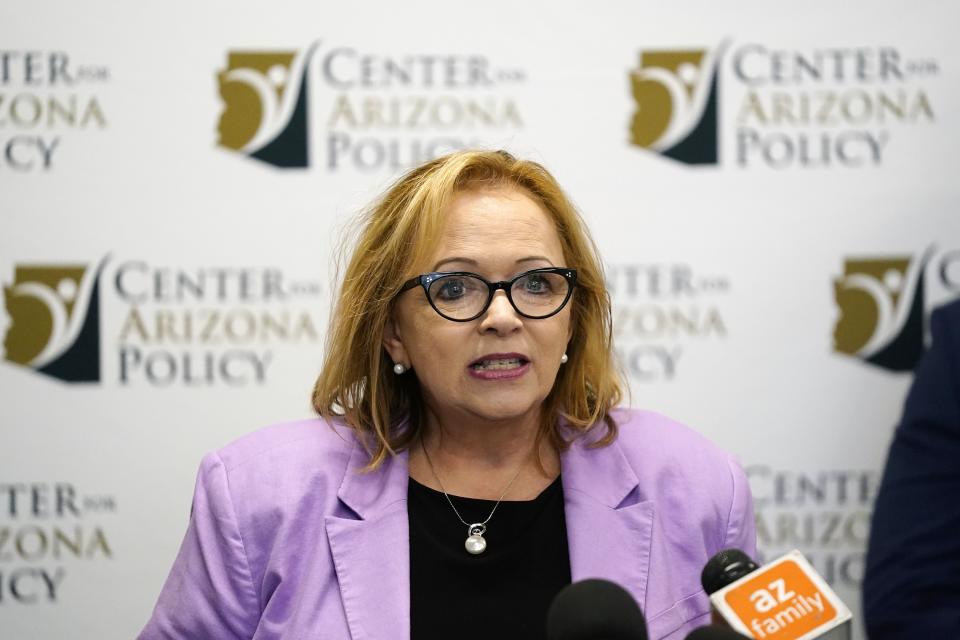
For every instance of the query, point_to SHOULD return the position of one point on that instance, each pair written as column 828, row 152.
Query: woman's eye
column 536, row 284
column 451, row 289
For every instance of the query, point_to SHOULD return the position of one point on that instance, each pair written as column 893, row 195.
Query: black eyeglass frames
column 462, row 296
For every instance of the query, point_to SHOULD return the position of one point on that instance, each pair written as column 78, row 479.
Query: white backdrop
column 167, row 288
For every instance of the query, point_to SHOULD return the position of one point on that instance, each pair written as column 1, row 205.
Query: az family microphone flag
column 783, row 600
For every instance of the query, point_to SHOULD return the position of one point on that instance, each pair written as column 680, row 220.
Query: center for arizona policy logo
column 265, row 106
column 676, row 96
column 883, row 305
column 339, row 107
column 757, row 105
column 55, row 320
column 159, row 325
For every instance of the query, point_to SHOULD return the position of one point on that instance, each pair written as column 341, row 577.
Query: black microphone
column 593, row 610
column 726, row 567
column 714, row 633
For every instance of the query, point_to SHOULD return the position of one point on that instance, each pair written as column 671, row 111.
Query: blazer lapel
column 609, row 532
column 371, row 553
column 609, row 525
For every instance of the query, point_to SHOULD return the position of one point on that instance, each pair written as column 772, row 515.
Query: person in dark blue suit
column 911, row 588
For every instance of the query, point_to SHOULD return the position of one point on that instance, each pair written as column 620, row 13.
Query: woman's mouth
column 499, row 366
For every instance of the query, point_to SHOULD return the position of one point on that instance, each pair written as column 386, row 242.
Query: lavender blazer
column 287, row 540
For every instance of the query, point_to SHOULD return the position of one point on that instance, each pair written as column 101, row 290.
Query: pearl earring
column 564, row 359
column 399, row 368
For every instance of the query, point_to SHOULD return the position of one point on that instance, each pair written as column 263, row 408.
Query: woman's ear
column 393, row 343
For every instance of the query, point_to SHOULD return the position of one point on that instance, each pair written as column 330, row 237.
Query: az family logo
column 54, row 313
column 676, row 110
column 265, row 106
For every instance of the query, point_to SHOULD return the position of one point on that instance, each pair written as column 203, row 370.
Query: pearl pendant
column 475, row 544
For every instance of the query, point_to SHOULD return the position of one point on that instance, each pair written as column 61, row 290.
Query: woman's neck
column 478, row 458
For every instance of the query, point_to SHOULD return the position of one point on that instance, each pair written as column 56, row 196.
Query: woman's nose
column 500, row 316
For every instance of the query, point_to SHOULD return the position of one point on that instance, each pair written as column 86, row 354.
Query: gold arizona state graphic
column 265, row 106
column 676, row 104
column 884, row 303
column 55, row 320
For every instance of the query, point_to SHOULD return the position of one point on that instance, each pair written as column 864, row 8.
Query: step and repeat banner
column 771, row 189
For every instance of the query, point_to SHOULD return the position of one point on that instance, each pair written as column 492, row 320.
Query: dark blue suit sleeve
column 912, row 583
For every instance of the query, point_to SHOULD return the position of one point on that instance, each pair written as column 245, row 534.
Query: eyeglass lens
column 462, row 297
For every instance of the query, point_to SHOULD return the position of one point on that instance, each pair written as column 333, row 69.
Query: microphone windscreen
column 715, row 633
column 726, row 567
column 592, row 609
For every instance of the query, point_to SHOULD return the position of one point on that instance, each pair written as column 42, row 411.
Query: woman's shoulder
column 689, row 475
column 641, row 431
column 267, row 477
column 291, row 448
column 664, row 452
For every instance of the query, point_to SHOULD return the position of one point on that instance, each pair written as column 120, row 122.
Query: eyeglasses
column 462, row 296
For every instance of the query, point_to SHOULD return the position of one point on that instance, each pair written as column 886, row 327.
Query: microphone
column 714, row 632
column 725, row 567
column 594, row 609
column 785, row 599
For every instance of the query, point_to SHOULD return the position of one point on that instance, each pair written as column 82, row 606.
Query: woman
column 469, row 460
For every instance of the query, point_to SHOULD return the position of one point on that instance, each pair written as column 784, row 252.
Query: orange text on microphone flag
column 781, row 603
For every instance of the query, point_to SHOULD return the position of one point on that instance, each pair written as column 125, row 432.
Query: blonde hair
column 357, row 381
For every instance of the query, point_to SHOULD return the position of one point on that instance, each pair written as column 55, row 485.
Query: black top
column 502, row 593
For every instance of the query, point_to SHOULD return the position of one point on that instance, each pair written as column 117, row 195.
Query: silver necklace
column 475, row 544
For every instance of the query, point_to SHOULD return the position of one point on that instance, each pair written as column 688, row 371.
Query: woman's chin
column 506, row 409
